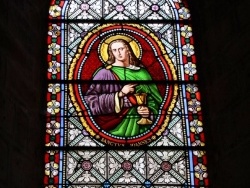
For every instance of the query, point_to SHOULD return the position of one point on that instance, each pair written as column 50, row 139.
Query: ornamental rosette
column 186, row 31
column 54, row 49
column 192, row 88
column 51, row 169
column 194, row 106
column 188, row 50
column 55, row 11
column 54, row 88
column 190, row 68
column 196, row 126
column 54, row 31
column 53, row 127
column 184, row 13
column 200, row 171
column 53, row 107
column 54, row 67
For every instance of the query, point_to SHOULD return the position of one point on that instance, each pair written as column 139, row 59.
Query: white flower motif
column 140, row 166
column 84, row 15
column 190, row 68
column 120, row 16
column 132, row 8
column 85, row 26
column 180, row 167
column 155, row 16
column 184, row 13
column 86, row 154
column 100, row 165
column 194, row 106
column 107, row 7
column 97, row 7
column 86, row 177
column 188, row 50
column 54, row 49
column 155, row 27
column 177, row 131
column 200, row 171
column 73, row 7
column 166, row 8
column 167, row 178
column 54, row 67
column 196, row 126
column 71, row 165
column 142, row 7
column 165, row 155
column 113, row 165
column 73, row 133
column 73, row 35
column 126, row 154
column 168, row 35
column 51, row 169
column 165, row 142
column 127, row 178
column 55, row 11
column 86, row 141
column 153, row 166
column 54, row 30
column 186, row 31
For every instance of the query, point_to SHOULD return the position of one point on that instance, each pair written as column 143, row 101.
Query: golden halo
column 104, row 46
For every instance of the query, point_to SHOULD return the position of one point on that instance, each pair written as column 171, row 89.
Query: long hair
column 133, row 60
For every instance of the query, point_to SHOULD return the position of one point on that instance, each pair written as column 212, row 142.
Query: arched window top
column 119, row 10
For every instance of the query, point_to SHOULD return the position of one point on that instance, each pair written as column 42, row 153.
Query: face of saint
column 120, row 51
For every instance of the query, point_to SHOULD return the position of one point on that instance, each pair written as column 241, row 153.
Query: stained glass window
column 123, row 102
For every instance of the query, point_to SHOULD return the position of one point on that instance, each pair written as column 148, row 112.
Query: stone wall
column 22, row 93
column 222, row 39
column 221, row 35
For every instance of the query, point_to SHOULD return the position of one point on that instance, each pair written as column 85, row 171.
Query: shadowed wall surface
column 222, row 47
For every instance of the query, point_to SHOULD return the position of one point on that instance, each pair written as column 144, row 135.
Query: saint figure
column 112, row 103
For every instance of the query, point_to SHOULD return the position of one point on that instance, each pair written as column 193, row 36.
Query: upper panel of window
column 119, row 10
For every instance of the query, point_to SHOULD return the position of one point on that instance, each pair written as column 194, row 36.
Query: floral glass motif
column 89, row 140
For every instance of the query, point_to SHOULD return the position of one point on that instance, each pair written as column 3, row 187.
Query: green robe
column 129, row 127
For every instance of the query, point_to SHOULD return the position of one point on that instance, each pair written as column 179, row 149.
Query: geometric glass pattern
column 123, row 100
